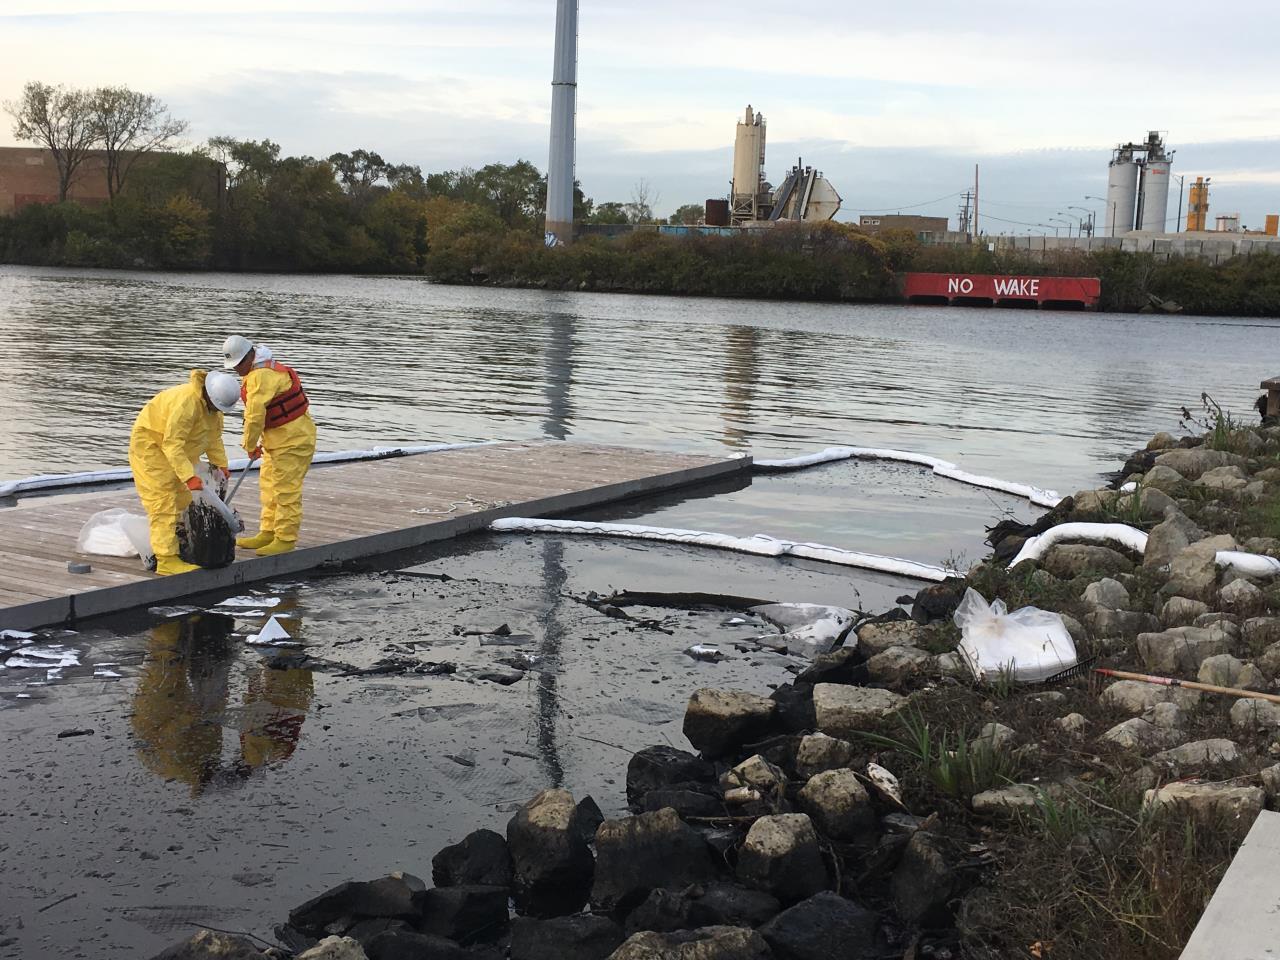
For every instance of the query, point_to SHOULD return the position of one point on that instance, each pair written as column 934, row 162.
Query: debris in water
column 15, row 635
column 249, row 602
column 75, row 733
column 273, row 635
column 885, row 783
column 504, row 640
column 702, row 652
column 103, row 673
column 43, row 658
column 460, row 760
column 504, row 677
column 171, row 612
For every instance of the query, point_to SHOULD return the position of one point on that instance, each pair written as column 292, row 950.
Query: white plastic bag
column 1030, row 644
column 115, row 533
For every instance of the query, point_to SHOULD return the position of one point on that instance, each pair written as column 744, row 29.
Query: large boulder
column 636, row 854
column 1203, row 757
column 210, row 945
column 396, row 896
column 702, row 905
column 838, row 805
column 717, row 722
column 824, row 927
column 897, row 665
column 818, row 752
column 707, row 943
column 1140, row 735
column 781, row 855
column 1163, row 478
column 580, row 937
column 842, row 711
column 1181, row 612
column 1209, row 803
column 1224, row 478
column 1135, row 697
column 1169, row 538
column 1070, row 560
column 876, row 638
column 1197, row 461
column 925, row 882
column 1259, row 633
column 1106, row 624
column 467, row 914
column 1181, row 650
column 550, row 856
column 1225, row 670
column 1249, row 714
column 1008, row 800
column 662, row 767
column 402, row 944
column 1242, row 597
column 1193, row 572
column 1107, row 593
column 335, row 948
column 1152, row 504
column 481, row 858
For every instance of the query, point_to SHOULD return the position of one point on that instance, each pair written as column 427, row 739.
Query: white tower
column 564, row 95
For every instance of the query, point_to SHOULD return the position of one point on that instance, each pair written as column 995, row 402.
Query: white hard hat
column 223, row 390
column 234, row 349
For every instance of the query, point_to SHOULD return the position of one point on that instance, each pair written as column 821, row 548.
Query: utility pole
column 967, row 197
column 975, row 202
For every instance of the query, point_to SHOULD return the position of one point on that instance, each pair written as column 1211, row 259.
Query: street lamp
column 1079, row 222
column 1088, row 213
column 1113, row 210
column 1066, row 223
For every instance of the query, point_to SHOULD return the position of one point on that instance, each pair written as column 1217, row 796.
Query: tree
column 610, row 212
column 643, row 199
column 60, row 119
column 129, row 125
column 689, row 213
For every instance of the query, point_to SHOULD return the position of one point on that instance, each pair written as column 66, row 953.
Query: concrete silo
column 748, row 166
column 1153, row 198
column 1122, row 191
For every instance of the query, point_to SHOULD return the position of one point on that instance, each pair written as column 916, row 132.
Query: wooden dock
column 351, row 510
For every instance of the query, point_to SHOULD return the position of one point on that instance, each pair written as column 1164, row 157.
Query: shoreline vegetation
column 241, row 206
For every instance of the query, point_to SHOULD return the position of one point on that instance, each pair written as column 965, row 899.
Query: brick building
column 925, row 228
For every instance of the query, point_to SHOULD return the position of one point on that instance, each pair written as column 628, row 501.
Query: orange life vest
column 285, row 407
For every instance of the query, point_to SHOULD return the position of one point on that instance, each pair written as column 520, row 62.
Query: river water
column 222, row 787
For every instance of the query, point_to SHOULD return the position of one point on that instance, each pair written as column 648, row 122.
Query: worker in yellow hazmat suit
column 277, row 427
column 174, row 428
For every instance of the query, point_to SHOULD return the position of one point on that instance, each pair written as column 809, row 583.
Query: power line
column 909, row 206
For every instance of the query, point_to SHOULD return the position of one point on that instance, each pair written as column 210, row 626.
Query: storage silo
column 1122, row 191
column 748, row 155
column 1153, row 201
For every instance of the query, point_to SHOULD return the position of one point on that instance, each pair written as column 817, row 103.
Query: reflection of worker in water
column 180, row 706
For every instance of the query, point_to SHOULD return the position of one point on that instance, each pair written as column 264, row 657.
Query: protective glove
column 195, row 484
column 226, row 472
column 255, row 453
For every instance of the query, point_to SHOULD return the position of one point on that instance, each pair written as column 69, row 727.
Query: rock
column 1181, row 611
column 1250, row 714
column 954, row 665
column 843, row 665
column 1090, row 502
column 1228, row 621
column 838, row 805
column 654, row 768
column 1135, row 697
column 466, row 914
column 876, row 638
column 1209, row 802
column 411, row 945
column 480, row 859
column 924, row 882
column 1073, row 724
column 1197, row 461
column 718, row 721
column 1254, row 490
column 1267, row 546
column 589, row 818
column 1153, row 504
column 781, row 855
column 1162, row 441
column 398, row 896
column 711, row 905
column 636, row 854
column 1138, row 735
column 994, row 736
column 897, row 665
column 1119, row 624
column 208, row 945
column 366, row 930
column 759, row 774
column 1271, row 780
column 824, row 927
column 794, row 706
column 1269, row 660
column 1108, row 594
column 842, row 711
column 1193, row 573
column 1169, row 538
column 1070, row 560
column 1199, row 757
column 1015, row 798
column 552, row 864
column 334, row 948
column 1241, row 596
column 1223, row 478
column 686, row 803
column 1167, row 716
column 1259, row 633
column 707, row 943
column 580, row 937
column 1181, row 650
column 1225, row 670
column 1163, row 479
column 938, row 601
column 1074, row 627
column 819, row 752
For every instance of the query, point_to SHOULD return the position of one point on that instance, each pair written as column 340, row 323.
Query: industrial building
column 805, row 193
column 926, row 229
column 1138, row 187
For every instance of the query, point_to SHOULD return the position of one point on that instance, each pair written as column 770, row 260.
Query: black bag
column 204, row 537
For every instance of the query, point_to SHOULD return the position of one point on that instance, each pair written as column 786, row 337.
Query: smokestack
column 564, row 94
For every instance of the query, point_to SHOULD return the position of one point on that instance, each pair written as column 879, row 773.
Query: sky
column 894, row 102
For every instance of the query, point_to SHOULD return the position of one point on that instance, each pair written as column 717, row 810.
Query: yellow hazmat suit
column 171, row 432
column 286, row 455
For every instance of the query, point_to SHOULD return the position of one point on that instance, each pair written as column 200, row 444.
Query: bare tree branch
column 60, row 119
column 129, row 125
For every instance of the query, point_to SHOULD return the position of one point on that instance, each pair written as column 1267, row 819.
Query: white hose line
column 54, row 481
column 1247, row 564
column 942, row 468
column 760, row 544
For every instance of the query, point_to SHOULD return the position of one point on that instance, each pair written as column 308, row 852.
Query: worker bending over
column 174, row 428
column 278, row 428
